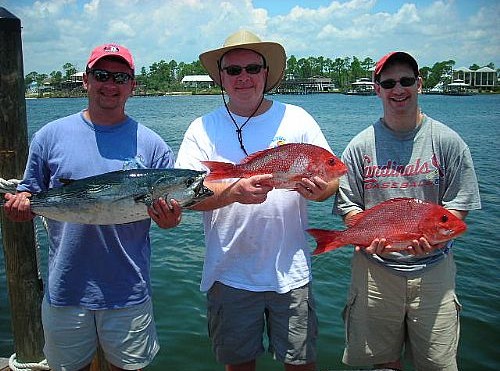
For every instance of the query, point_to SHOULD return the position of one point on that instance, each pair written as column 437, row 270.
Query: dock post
column 24, row 285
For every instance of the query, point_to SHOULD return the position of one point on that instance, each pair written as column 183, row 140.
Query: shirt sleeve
column 192, row 150
column 462, row 190
column 350, row 196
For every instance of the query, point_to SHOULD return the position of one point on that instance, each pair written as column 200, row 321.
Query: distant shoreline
column 181, row 93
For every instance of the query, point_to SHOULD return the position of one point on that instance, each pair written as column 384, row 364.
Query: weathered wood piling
column 24, row 285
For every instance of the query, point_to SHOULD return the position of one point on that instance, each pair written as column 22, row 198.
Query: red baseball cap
column 111, row 50
column 400, row 56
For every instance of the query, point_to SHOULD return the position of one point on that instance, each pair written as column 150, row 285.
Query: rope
column 8, row 186
column 17, row 366
column 38, row 244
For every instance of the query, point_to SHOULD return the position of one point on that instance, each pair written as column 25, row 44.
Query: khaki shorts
column 387, row 314
column 127, row 336
column 237, row 319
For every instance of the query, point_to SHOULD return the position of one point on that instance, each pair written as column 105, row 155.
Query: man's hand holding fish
column 165, row 214
column 316, row 188
column 252, row 190
column 17, row 207
column 380, row 246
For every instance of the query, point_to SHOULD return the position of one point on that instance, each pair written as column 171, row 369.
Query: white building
column 198, row 81
column 485, row 78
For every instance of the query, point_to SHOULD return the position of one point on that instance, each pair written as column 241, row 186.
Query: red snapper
column 398, row 220
column 288, row 163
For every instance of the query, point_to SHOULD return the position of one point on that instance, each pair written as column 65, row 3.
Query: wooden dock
column 4, row 364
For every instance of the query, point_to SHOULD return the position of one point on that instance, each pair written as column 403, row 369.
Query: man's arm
column 245, row 191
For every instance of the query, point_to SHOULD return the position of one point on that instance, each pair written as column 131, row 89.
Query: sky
column 56, row 32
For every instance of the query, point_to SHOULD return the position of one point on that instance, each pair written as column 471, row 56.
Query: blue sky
column 281, row 7
column 59, row 31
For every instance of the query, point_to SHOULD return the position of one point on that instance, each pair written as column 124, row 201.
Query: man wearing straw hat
column 257, row 269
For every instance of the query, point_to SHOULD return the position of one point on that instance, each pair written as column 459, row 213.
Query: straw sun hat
column 273, row 53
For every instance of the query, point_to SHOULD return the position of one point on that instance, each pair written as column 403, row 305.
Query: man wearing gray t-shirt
column 404, row 301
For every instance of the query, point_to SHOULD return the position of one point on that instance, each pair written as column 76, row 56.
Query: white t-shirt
column 259, row 247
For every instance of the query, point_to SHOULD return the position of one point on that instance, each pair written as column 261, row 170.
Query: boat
column 457, row 87
column 437, row 89
column 362, row 86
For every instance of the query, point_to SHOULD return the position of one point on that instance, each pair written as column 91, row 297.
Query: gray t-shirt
column 431, row 163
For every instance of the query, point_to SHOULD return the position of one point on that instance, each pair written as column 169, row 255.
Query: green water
column 178, row 254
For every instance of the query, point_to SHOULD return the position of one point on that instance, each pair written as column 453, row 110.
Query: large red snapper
column 399, row 221
column 288, row 163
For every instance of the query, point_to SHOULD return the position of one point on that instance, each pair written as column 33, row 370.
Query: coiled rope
column 8, row 185
column 18, row 366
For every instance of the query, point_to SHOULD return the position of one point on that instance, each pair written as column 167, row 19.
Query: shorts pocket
column 215, row 315
column 346, row 314
column 457, row 304
column 312, row 318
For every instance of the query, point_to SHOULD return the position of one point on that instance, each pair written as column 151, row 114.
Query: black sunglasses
column 234, row 70
column 404, row 81
column 118, row 77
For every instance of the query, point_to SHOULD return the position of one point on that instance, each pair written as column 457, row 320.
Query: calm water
column 178, row 254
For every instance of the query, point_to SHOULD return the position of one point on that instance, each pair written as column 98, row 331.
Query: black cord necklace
column 239, row 129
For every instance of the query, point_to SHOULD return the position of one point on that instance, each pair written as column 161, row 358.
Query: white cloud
column 59, row 31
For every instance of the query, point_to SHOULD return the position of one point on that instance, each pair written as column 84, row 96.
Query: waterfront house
column 198, row 81
column 362, row 86
column 484, row 78
column 309, row 85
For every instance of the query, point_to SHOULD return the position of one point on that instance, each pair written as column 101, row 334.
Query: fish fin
column 66, row 181
column 326, row 240
column 220, row 170
column 145, row 199
column 254, row 155
column 353, row 220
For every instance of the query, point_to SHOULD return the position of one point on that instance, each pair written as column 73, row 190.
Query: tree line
column 165, row 76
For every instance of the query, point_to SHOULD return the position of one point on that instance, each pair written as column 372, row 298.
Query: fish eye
column 189, row 181
column 444, row 218
column 331, row 162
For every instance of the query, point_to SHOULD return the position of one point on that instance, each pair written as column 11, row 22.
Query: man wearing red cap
column 404, row 301
column 98, row 288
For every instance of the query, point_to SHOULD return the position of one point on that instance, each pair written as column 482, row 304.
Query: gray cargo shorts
column 238, row 318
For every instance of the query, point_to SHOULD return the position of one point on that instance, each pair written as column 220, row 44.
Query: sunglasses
column 234, row 70
column 404, row 81
column 118, row 77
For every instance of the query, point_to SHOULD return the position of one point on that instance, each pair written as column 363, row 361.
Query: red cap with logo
column 400, row 56
column 111, row 50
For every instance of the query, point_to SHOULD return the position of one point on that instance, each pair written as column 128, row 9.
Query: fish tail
column 326, row 240
column 220, row 170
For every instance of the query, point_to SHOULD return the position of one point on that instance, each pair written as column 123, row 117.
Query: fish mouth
column 201, row 192
column 341, row 172
column 449, row 233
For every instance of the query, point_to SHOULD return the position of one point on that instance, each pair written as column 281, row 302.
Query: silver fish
column 120, row 196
